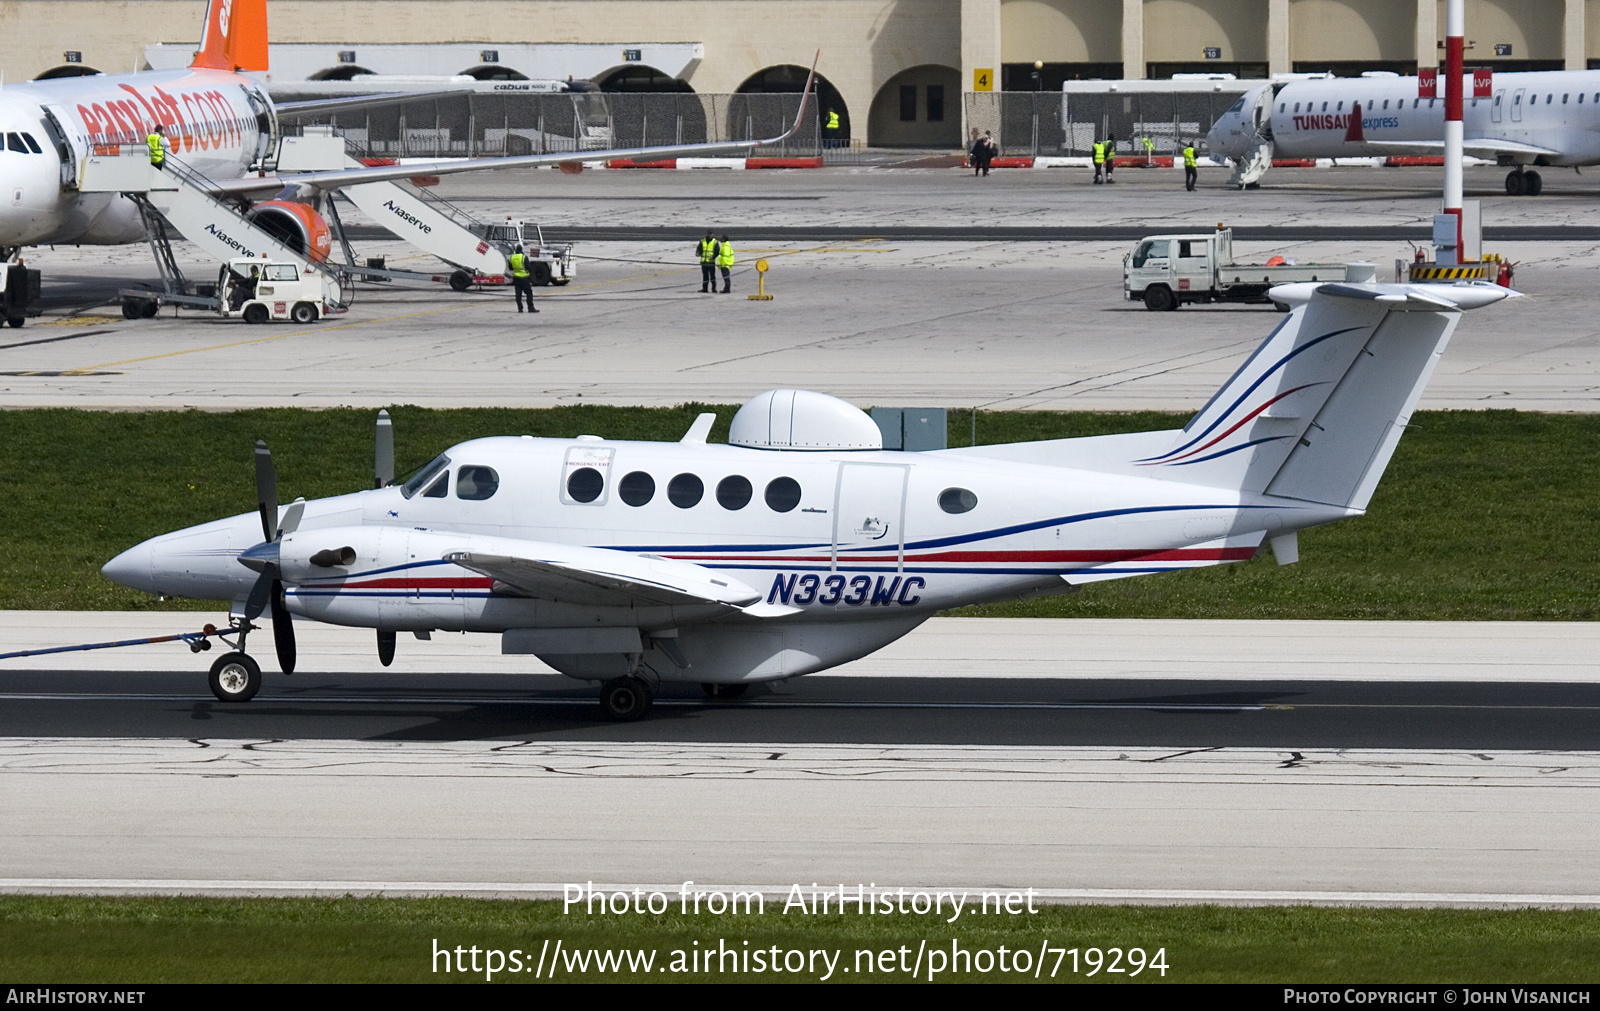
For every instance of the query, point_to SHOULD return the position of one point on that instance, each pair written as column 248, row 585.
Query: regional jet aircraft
column 220, row 123
column 802, row 544
column 1517, row 119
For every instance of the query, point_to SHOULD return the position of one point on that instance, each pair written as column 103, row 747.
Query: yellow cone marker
column 761, row 283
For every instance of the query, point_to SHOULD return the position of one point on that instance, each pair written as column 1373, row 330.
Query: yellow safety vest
column 1099, row 153
column 157, row 154
column 1188, row 157
column 519, row 265
column 708, row 250
column 833, row 120
column 725, row 258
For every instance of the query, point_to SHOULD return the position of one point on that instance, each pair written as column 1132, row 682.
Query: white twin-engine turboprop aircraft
column 803, row 544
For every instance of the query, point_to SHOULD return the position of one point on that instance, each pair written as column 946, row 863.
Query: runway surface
column 995, row 314
column 1341, row 762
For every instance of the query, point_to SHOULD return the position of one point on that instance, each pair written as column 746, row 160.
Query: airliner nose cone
column 132, row 568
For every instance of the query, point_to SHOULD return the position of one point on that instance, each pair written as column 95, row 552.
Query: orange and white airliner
column 220, row 123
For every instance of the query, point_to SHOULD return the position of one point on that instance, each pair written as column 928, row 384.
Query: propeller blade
column 260, row 594
column 386, row 639
column 282, row 629
column 291, row 517
column 383, row 455
column 266, row 492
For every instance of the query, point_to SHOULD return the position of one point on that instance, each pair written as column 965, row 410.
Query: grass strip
column 1482, row 515
column 198, row 940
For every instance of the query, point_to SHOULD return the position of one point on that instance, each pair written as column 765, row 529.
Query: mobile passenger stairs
column 178, row 197
column 478, row 251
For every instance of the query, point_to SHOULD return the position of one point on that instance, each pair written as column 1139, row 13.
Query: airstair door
column 69, row 148
column 869, row 513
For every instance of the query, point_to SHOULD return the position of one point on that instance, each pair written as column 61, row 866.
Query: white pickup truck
column 1165, row 271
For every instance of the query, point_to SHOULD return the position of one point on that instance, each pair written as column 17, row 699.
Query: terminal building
column 897, row 72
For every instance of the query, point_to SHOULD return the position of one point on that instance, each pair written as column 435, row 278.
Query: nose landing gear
column 1523, row 183
column 235, row 676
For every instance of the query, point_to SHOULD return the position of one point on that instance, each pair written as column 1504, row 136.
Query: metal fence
column 1068, row 123
column 490, row 125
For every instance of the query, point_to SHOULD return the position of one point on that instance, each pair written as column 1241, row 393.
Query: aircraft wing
column 325, row 106
column 338, row 178
column 603, row 576
column 1478, row 147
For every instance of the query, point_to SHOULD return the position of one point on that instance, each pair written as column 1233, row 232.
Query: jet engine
column 296, row 225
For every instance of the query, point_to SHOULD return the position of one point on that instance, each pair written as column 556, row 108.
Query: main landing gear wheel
column 303, row 313
column 723, row 691
column 235, row 678
column 256, row 313
column 1159, row 298
column 1523, row 183
column 624, row 700
column 460, row 280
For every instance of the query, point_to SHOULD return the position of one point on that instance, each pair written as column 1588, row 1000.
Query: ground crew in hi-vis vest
column 832, row 137
column 1099, row 162
column 725, row 262
column 708, row 249
column 157, row 143
column 522, row 279
column 1111, row 157
column 1190, row 171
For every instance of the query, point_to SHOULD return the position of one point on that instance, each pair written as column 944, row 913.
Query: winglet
column 697, row 433
column 805, row 96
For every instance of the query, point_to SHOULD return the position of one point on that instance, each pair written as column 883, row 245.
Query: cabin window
column 637, row 488
column 585, row 484
column 1154, row 249
column 1564, row 99
column 733, row 492
column 33, row 145
column 1297, row 107
column 1339, row 107
column 476, row 483
column 439, row 488
column 1580, row 98
column 1285, row 105
column 418, row 480
column 685, row 491
column 14, row 143
column 1324, row 106
column 957, row 500
column 1386, row 103
column 1549, row 99
column 783, row 494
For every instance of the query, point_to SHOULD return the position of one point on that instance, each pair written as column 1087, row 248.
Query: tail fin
column 1316, row 412
column 235, row 36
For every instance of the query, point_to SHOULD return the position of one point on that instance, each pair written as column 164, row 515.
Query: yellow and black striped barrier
column 1459, row 272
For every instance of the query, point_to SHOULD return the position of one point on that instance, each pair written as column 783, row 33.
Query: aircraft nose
column 134, row 567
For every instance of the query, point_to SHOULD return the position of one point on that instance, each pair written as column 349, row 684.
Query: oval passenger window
column 585, row 484
column 783, row 494
column 476, row 483
column 637, row 488
column 685, row 490
column 957, row 500
column 733, row 492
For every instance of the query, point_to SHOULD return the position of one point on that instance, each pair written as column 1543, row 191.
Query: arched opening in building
column 637, row 78
column 67, row 70
column 756, row 118
column 918, row 107
column 343, row 72
column 651, row 109
column 494, row 72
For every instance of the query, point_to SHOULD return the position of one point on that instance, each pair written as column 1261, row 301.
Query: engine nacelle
column 296, row 225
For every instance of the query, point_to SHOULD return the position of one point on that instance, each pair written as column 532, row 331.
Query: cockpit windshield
column 1237, row 106
column 418, row 480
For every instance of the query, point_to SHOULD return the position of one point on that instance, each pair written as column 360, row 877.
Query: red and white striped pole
column 1455, row 19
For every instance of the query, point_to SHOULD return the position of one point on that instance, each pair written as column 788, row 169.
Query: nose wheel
column 235, row 677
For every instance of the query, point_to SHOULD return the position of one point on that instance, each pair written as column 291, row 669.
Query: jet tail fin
column 235, row 36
